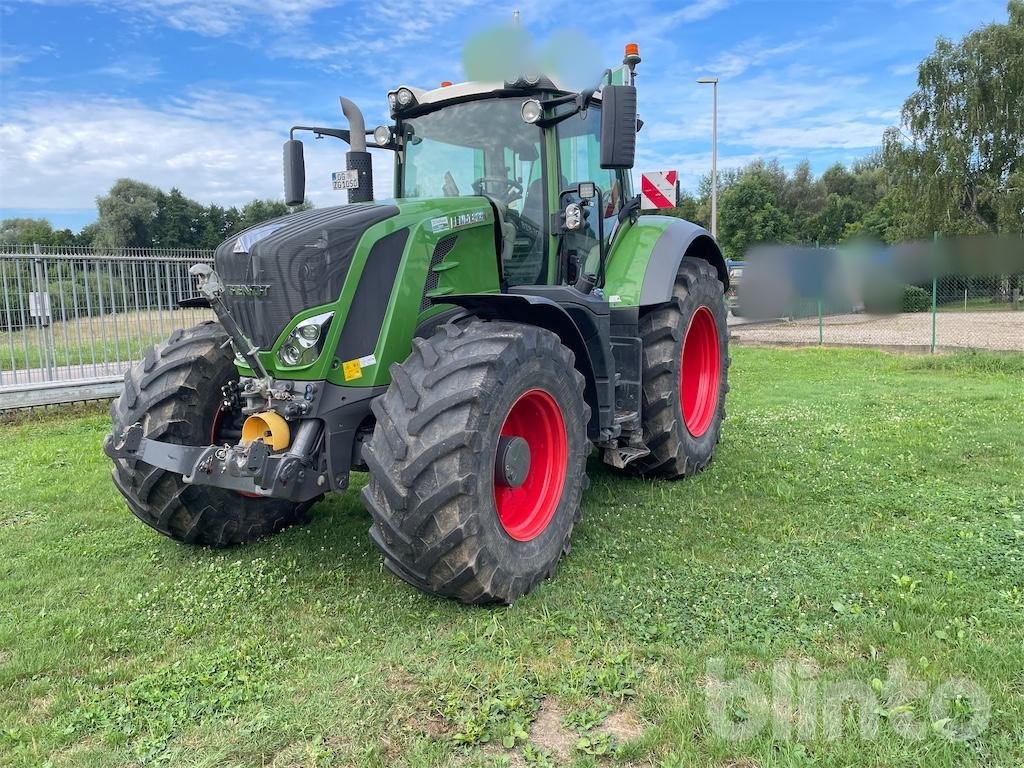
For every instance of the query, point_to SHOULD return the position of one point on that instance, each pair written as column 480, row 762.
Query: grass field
column 982, row 304
column 860, row 530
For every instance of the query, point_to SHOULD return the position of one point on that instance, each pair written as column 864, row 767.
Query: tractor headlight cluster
column 529, row 80
column 401, row 99
column 306, row 341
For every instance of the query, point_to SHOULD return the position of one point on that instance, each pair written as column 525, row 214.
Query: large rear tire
column 685, row 374
column 448, row 518
column 175, row 392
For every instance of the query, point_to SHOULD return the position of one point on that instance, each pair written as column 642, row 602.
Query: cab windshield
column 483, row 148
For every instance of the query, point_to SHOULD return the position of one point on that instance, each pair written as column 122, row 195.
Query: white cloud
column 901, row 70
column 701, row 9
column 132, row 69
column 825, row 132
column 10, row 62
column 752, row 53
column 785, row 115
column 747, row 108
column 61, row 152
column 212, row 19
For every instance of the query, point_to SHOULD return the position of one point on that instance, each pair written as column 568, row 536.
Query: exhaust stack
column 357, row 158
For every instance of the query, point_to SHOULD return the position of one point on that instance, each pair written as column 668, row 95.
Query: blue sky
column 199, row 94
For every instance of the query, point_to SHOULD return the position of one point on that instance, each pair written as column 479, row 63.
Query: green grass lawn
column 861, row 526
column 979, row 304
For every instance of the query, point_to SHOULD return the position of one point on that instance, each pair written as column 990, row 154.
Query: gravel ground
column 975, row 330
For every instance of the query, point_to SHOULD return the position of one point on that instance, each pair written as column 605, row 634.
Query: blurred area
column 507, row 52
column 957, row 292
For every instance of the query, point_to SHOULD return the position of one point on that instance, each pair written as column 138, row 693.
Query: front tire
column 685, row 374
column 447, row 520
column 175, row 392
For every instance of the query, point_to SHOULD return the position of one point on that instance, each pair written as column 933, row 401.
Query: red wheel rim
column 218, row 419
column 524, row 512
column 699, row 372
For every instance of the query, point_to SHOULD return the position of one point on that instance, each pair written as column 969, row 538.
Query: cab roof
column 476, row 89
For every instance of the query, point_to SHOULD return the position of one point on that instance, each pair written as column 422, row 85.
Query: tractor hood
column 277, row 269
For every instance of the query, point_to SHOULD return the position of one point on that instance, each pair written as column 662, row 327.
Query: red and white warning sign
column 658, row 189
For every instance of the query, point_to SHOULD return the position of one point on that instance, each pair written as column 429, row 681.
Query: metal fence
column 984, row 312
column 73, row 319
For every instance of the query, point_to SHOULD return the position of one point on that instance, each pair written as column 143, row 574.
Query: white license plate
column 345, row 179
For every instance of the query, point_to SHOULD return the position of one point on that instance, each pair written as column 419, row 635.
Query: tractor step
column 630, row 445
column 620, row 456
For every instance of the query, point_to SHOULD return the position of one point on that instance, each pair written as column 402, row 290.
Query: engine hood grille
column 276, row 269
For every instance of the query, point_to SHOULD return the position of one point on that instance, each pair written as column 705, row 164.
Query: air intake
column 441, row 250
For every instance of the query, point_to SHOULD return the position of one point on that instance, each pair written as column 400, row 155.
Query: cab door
column 579, row 159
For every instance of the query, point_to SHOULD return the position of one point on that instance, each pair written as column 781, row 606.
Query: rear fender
column 645, row 257
column 679, row 240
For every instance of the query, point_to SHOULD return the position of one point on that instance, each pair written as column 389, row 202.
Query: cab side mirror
column 618, row 126
column 294, row 173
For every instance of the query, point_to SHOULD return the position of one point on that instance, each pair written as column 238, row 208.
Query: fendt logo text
column 247, row 290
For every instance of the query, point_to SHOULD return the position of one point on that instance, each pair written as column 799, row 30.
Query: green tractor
column 466, row 343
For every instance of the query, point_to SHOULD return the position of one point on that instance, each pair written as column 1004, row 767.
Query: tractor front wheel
column 175, row 392
column 685, row 374
column 478, row 461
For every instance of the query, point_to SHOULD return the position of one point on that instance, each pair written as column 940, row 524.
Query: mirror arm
column 550, row 122
column 631, row 210
column 337, row 133
column 580, row 102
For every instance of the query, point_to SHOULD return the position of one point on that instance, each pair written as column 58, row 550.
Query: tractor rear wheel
column 685, row 374
column 478, row 461
column 175, row 392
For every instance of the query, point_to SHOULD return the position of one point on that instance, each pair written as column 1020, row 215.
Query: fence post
column 935, row 285
column 42, row 297
column 821, row 319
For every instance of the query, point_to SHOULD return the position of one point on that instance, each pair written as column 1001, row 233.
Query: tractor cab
column 526, row 146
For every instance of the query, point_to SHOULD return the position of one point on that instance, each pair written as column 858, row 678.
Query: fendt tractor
column 466, row 343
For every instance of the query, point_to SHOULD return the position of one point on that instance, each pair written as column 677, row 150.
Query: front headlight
column 405, row 97
column 306, row 341
column 573, row 216
column 532, row 111
column 382, row 135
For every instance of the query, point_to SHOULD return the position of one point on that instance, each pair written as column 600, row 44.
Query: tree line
column 136, row 214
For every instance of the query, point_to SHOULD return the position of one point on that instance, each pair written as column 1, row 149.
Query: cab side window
column 579, row 155
column 579, row 158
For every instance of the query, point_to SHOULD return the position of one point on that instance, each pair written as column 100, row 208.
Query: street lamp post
column 713, row 82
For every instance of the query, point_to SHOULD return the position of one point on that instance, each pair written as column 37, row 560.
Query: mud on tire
column 175, row 392
column 432, row 479
column 675, row 451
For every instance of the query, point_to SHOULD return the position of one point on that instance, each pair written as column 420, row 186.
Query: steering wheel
column 513, row 188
